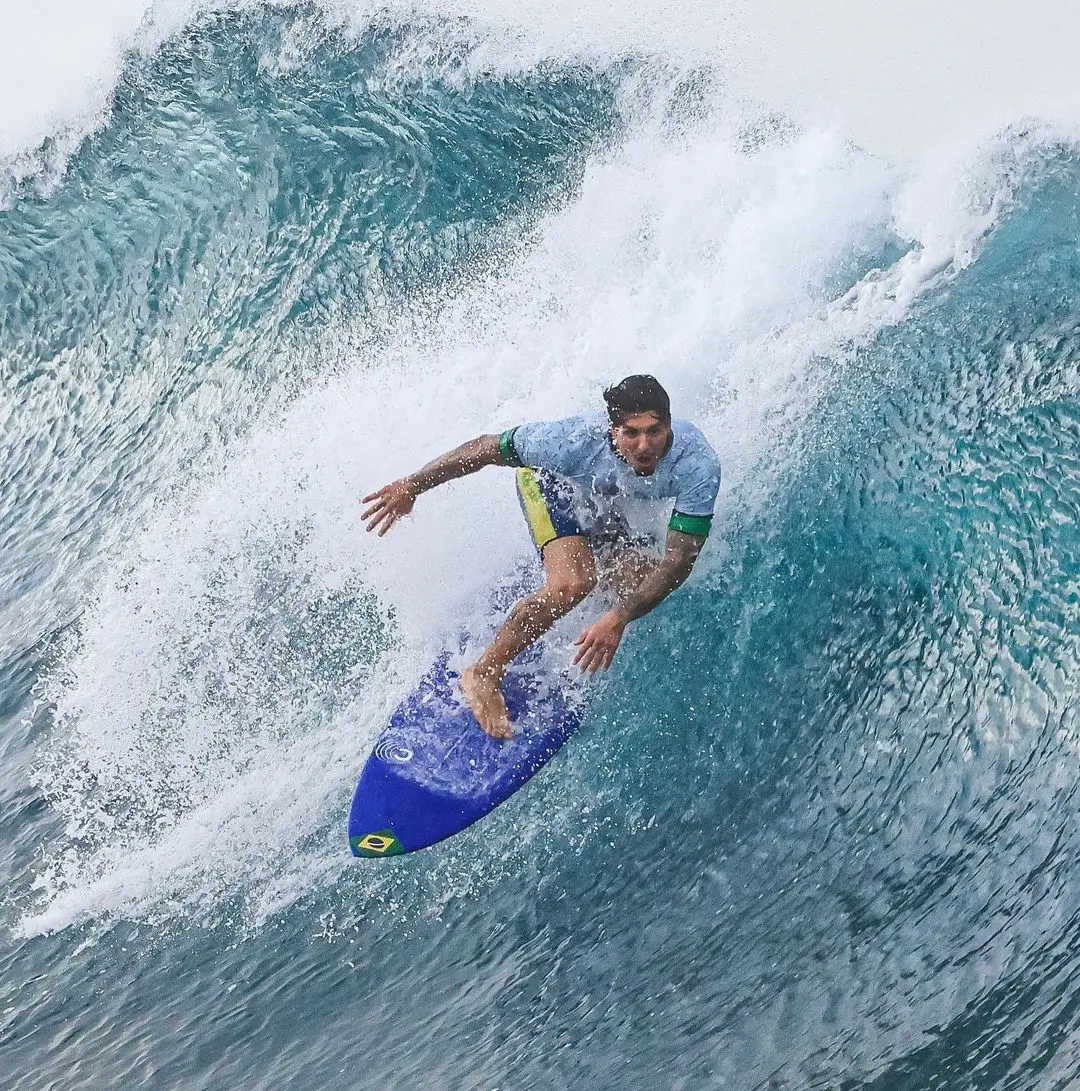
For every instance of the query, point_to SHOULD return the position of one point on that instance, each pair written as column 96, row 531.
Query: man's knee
column 569, row 590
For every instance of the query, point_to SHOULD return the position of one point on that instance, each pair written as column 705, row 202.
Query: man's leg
column 571, row 575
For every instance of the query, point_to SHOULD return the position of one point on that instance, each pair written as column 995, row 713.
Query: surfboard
column 434, row 771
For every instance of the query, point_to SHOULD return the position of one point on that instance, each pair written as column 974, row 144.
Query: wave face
column 820, row 826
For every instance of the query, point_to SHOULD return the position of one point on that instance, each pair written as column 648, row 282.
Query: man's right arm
column 461, row 461
column 395, row 500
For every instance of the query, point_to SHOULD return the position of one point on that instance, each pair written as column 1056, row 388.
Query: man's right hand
column 391, row 502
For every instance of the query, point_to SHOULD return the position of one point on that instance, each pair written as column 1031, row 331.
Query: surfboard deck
column 433, row 770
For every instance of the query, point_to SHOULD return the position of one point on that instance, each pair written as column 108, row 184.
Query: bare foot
column 481, row 693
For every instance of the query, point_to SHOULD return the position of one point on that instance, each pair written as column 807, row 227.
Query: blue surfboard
column 434, row 771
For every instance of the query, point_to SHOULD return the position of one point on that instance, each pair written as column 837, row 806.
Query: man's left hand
column 598, row 644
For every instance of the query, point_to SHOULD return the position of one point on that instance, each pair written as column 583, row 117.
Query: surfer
column 579, row 480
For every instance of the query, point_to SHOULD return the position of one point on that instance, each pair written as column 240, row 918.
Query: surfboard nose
column 433, row 772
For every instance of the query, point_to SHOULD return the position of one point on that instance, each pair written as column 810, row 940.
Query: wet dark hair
column 637, row 394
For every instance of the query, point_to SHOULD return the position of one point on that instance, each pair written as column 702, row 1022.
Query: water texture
column 819, row 828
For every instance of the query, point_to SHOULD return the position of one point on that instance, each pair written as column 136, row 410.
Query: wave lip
column 61, row 60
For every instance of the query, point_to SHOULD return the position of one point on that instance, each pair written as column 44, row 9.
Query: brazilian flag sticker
column 381, row 843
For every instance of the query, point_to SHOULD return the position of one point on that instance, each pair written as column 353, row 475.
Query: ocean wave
column 750, row 263
column 830, row 841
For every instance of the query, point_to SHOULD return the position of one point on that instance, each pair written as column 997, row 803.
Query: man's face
column 642, row 440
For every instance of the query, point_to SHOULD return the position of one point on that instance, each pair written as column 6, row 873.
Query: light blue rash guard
column 579, row 450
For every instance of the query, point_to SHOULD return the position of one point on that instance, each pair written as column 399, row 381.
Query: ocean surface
column 820, row 828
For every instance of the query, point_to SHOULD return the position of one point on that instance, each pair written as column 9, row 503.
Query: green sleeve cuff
column 506, row 448
column 697, row 525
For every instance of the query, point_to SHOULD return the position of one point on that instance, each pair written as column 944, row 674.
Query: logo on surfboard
column 382, row 843
column 395, row 752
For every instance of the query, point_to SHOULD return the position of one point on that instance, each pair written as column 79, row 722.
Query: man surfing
column 579, row 481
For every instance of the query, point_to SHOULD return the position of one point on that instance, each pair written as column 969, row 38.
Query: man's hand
column 598, row 644
column 391, row 502
column 395, row 500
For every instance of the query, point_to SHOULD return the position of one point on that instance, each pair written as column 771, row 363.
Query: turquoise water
column 819, row 828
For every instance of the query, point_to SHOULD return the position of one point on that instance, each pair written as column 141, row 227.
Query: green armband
column 697, row 525
column 506, row 448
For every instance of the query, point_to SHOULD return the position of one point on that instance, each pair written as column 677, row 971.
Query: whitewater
column 819, row 827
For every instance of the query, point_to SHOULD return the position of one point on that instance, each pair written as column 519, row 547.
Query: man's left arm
column 598, row 644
